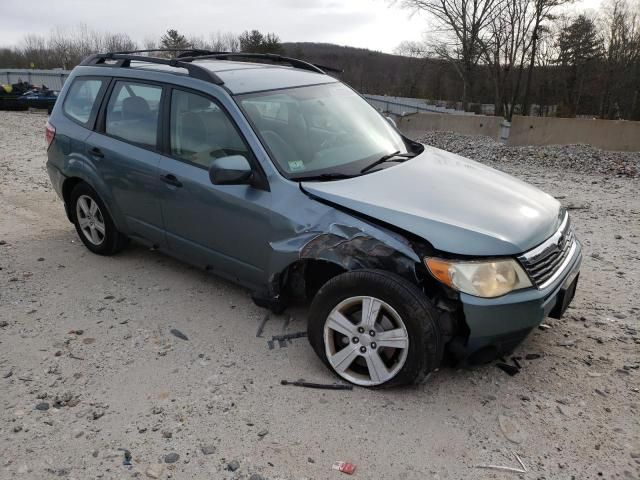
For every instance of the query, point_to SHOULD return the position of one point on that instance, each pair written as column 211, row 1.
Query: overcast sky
column 370, row 24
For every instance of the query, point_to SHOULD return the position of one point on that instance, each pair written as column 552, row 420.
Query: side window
column 201, row 131
column 81, row 99
column 132, row 113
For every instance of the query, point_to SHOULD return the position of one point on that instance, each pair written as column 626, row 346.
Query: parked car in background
column 281, row 178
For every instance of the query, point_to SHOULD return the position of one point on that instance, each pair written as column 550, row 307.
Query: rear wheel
column 93, row 222
column 375, row 329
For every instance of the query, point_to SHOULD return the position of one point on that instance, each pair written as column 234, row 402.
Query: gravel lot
column 89, row 366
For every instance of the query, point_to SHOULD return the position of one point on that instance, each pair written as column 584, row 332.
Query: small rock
column 233, row 465
column 178, row 334
column 154, row 471
column 567, row 343
column 208, row 449
column 41, row 259
column 594, row 374
column 532, row 356
column 172, row 457
column 565, row 410
column 618, row 237
column 167, row 433
column 96, row 414
column 256, row 476
column 310, row 460
column 4, row 323
column 620, row 316
column 42, row 406
column 17, row 428
column 157, row 410
column 263, row 433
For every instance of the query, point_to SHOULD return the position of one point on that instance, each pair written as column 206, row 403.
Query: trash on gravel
column 344, row 467
column 510, row 369
column 177, row 333
column 282, row 339
column 127, row 456
column 325, row 386
column 523, row 469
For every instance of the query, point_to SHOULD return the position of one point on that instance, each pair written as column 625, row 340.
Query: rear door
column 125, row 150
column 223, row 227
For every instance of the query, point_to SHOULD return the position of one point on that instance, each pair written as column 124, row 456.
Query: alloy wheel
column 366, row 341
column 90, row 220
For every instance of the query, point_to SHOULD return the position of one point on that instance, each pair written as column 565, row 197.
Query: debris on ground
column 522, row 468
column 344, row 467
column 284, row 338
column 178, row 334
column 322, row 386
column 507, row 368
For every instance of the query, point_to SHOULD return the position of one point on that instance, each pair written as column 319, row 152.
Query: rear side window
column 132, row 113
column 81, row 103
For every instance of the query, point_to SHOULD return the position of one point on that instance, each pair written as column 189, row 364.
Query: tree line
column 521, row 53
column 67, row 47
column 523, row 56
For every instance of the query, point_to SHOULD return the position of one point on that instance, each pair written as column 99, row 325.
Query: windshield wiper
column 386, row 158
column 324, row 177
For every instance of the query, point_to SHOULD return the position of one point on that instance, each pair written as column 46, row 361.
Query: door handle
column 96, row 152
column 171, row 180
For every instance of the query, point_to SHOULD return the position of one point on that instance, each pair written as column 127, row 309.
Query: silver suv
column 277, row 176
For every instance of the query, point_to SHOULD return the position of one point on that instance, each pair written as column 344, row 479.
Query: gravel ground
column 89, row 367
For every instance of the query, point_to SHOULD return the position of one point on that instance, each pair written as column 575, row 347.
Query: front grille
column 543, row 262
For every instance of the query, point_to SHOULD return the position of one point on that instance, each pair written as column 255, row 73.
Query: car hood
column 458, row 205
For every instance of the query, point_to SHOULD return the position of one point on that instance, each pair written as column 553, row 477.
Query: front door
column 222, row 227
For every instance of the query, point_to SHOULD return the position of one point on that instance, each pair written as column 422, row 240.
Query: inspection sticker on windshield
column 296, row 165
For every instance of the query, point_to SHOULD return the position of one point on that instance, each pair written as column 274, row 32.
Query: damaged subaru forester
column 277, row 176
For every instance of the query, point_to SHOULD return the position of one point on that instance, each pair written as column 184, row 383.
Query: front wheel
column 375, row 329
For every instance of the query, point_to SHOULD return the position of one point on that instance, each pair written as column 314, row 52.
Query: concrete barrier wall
column 415, row 125
column 617, row 135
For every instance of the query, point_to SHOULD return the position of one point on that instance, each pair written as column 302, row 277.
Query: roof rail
column 294, row 62
column 123, row 60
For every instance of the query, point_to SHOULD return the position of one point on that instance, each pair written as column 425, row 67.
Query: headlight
column 480, row 278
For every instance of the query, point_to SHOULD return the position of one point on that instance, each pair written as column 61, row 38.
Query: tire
column 107, row 242
column 403, row 308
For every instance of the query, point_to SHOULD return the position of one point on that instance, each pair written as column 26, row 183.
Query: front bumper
column 498, row 325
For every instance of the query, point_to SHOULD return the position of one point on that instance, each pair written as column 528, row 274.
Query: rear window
column 132, row 113
column 80, row 102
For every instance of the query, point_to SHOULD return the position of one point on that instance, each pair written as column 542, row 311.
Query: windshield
column 320, row 130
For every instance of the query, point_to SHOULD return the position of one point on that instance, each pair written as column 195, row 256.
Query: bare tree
column 465, row 21
column 505, row 52
column 543, row 12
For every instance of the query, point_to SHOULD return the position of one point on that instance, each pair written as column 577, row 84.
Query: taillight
column 49, row 134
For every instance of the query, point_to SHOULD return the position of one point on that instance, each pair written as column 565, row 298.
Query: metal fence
column 53, row 79
column 402, row 106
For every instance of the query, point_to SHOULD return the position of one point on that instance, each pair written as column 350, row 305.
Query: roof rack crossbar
column 123, row 60
column 294, row 62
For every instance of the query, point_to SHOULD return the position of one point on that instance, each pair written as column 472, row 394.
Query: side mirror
column 391, row 121
column 232, row 170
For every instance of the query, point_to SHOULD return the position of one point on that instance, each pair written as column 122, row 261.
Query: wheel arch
column 72, row 181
